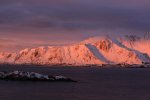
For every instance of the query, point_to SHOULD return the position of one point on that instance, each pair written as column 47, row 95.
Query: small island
column 32, row 76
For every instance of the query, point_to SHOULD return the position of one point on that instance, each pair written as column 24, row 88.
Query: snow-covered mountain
column 96, row 50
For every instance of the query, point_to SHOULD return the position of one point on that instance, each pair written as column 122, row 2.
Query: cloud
column 69, row 19
column 77, row 16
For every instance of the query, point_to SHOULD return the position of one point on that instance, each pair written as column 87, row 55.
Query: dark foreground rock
column 32, row 76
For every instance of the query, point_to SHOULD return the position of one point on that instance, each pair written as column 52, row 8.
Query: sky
column 31, row 23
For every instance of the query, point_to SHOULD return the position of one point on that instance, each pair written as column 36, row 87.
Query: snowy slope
column 96, row 50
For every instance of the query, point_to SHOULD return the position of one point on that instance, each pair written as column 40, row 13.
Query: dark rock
column 32, row 76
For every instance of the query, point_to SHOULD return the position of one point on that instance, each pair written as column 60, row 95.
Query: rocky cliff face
column 97, row 50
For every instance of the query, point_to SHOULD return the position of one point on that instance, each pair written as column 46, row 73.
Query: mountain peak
column 96, row 50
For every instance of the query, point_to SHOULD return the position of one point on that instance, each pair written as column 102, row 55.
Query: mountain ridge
column 97, row 50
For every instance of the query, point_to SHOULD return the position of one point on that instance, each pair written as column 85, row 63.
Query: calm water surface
column 93, row 84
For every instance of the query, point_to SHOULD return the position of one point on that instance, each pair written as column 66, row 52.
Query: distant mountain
column 129, row 49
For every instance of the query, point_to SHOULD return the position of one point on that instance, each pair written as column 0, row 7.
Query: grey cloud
column 45, row 20
column 74, row 16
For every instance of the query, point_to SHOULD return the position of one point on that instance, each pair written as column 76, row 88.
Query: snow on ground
column 96, row 50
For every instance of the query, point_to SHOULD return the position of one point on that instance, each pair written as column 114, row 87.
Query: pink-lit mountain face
column 96, row 50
